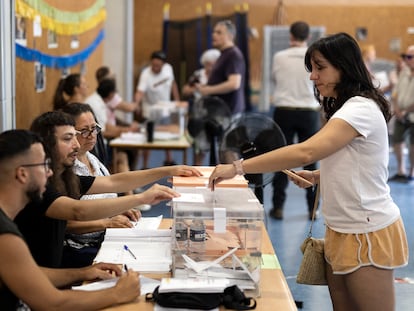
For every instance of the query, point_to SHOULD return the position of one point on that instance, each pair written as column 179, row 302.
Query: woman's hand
column 220, row 173
column 311, row 176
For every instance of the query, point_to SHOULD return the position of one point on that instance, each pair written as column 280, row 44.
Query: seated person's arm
column 32, row 285
column 70, row 209
column 80, row 227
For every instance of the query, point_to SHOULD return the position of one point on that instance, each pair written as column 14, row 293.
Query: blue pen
column 129, row 251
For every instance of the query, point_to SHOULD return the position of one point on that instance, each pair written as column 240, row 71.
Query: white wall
column 119, row 44
column 7, row 66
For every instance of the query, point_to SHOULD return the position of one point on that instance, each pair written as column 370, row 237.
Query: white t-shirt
column 99, row 109
column 293, row 87
column 355, row 194
column 99, row 170
column 156, row 87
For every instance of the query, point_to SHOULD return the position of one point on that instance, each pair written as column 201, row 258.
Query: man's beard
column 34, row 194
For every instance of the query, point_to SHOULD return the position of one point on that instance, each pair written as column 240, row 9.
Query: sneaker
column 276, row 213
column 317, row 215
column 399, row 178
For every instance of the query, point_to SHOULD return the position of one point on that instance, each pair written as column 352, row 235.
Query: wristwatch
column 239, row 167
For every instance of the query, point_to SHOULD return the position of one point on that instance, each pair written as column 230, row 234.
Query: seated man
column 24, row 171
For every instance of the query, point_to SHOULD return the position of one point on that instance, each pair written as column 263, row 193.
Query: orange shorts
column 386, row 248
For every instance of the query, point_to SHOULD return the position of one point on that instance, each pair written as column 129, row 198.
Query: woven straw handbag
column 312, row 270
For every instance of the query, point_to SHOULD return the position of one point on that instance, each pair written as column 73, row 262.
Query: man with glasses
column 227, row 77
column 43, row 225
column 403, row 104
column 24, row 172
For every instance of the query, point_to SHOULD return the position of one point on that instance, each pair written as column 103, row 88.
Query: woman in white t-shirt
column 365, row 238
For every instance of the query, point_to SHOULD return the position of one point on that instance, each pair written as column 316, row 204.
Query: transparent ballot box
column 218, row 235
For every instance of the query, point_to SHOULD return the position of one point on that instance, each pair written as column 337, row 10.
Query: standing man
column 156, row 83
column 403, row 104
column 228, row 75
column 296, row 108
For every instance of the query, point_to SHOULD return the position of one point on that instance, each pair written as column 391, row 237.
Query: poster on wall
column 52, row 39
column 20, row 30
column 40, row 77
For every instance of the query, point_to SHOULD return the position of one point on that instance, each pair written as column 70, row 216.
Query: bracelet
column 239, row 167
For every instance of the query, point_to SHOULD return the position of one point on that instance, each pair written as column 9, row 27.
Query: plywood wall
column 384, row 21
column 30, row 103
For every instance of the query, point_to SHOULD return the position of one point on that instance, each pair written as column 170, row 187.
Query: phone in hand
column 293, row 175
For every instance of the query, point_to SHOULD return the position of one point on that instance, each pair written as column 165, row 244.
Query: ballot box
column 217, row 234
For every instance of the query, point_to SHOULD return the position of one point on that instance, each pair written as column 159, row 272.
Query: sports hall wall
column 384, row 20
column 29, row 101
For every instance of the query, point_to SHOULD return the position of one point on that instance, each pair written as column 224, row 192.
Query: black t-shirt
column 45, row 235
column 231, row 61
column 8, row 301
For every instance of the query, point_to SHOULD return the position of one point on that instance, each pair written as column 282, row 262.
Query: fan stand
column 213, row 150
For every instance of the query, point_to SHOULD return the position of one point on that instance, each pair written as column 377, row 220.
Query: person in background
column 381, row 79
column 156, row 84
column 104, row 93
column 403, row 104
column 297, row 112
column 72, row 89
column 365, row 237
column 207, row 59
column 24, row 171
column 227, row 77
column 43, row 224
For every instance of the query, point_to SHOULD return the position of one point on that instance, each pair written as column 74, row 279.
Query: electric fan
column 250, row 135
column 209, row 117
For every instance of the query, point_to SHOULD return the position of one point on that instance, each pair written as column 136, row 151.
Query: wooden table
column 181, row 144
column 274, row 291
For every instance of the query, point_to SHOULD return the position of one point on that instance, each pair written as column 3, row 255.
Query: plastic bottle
column 181, row 236
column 197, row 236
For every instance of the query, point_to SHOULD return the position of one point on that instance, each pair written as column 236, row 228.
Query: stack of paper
column 143, row 248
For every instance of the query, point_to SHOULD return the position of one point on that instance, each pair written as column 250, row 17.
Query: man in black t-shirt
column 43, row 224
column 227, row 78
column 24, row 170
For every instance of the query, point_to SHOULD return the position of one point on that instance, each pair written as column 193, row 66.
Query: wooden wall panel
column 29, row 103
column 384, row 21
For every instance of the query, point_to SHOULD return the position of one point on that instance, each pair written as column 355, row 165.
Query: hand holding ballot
column 158, row 193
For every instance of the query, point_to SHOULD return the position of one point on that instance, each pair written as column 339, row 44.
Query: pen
column 126, row 268
column 127, row 249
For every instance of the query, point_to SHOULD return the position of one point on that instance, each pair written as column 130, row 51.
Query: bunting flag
column 60, row 62
column 62, row 22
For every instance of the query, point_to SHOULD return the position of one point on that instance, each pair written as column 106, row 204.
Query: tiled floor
column 286, row 236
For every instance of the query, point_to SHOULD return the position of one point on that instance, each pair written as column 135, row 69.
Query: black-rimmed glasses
column 47, row 164
column 88, row 132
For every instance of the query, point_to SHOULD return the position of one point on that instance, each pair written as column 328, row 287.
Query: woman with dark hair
column 71, row 89
column 365, row 238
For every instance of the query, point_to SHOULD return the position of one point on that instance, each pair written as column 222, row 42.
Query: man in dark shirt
column 43, row 224
column 24, row 170
column 228, row 75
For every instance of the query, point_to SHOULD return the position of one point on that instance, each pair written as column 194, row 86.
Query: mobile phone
column 296, row 176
